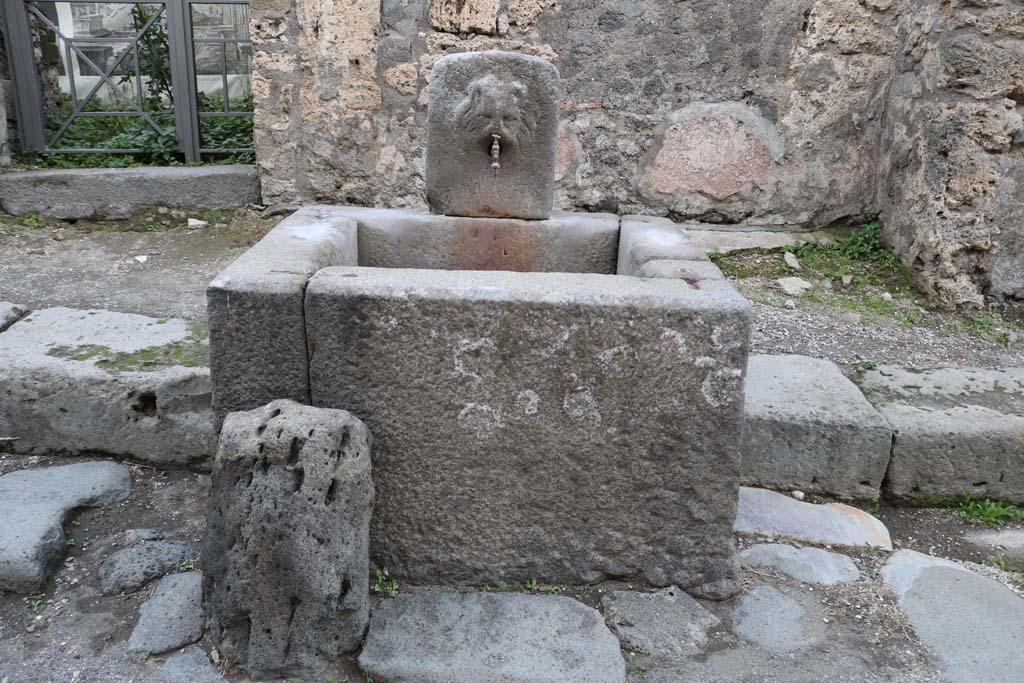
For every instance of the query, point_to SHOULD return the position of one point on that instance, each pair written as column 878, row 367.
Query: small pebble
column 790, row 305
column 886, row 296
column 799, row 495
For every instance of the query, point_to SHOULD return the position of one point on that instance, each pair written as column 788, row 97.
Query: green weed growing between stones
column 991, row 513
column 384, row 584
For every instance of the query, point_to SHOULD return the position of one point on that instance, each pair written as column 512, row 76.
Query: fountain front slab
column 566, row 426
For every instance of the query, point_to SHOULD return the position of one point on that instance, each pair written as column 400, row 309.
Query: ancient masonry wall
column 780, row 113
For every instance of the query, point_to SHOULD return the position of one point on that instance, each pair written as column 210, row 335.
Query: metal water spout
column 495, row 153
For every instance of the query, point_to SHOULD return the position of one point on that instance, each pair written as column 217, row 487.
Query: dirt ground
column 90, row 264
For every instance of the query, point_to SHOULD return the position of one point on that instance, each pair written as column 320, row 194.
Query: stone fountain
column 551, row 395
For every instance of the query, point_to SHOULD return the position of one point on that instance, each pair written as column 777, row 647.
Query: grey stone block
column 664, row 623
column 172, row 617
column 474, row 96
column 10, row 314
column 432, row 637
column 76, row 381
column 1007, row 543
column 255, row 310
column 810, row 428
column 957, row 431
column 541, row 425
column 33, row 507
column 973, row 624
column 128, row 569
column 648, row 238
column 567, row 242
column 118, row 192
column 773, row 515
column 286, row 548
column 809, row 565
column 775, row 621
column 191, row 665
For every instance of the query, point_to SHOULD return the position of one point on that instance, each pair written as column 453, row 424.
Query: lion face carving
column 495, row 107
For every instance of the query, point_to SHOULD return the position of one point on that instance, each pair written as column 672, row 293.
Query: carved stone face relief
column 491, row 135
column 492, row 107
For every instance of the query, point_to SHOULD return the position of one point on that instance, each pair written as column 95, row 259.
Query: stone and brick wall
column 794, row 114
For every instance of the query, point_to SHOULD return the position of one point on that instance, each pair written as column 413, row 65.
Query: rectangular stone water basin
column 559, row 400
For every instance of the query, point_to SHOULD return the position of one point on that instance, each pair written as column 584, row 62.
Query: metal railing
column 172, row 74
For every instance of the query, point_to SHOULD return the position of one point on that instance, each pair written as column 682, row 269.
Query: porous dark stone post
column 286, row 549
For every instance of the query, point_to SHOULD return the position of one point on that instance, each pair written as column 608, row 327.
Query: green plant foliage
column 991, row 513
column 384, row 584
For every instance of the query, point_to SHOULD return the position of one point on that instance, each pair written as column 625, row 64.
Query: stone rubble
column 190, row 665
column 128, row 569
column 794, row 286
column 668, row 621
column 767, row 514
column 451, row 637
column 172, row 617
column 34, row 503
column 809, row 565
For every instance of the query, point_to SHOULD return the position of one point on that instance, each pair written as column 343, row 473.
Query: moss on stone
column 191, row 352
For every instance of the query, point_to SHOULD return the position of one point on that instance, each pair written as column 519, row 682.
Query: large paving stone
column 973, row 624
column 172, row 617
column 810, row 565
column 130, row 568
column 473, row 97
column 117, row 192
column 10, row 314
column 957, row 431
column 74, row 381
column 772, row 515
column 541, row 425
column 255, row 308
column 286, row 548
column 433, row 637
column 666, row 622
column 775, row 621
column 810, row 428
column 33, row 507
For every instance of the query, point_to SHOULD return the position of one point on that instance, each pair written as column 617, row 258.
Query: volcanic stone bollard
column 285, row 555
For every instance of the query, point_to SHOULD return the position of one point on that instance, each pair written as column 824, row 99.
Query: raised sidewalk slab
column 79, row 382
column 810, row 428
column 957, row 431
column 119, row 192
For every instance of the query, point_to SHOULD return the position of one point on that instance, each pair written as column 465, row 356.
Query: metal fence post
column 183, row 88
column 28, row 105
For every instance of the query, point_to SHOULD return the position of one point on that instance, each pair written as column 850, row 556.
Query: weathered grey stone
column 117, row 192
column 794, row 286
column 645, row 238
column 810, row 428
column 957, row 431
column 773, row 515
column 693, row 272
column 255, row 310
column 94, row 381
column 33, row 507
column 973, row 624
column 10, row 314
column 726, row 238
column 666, row 622
column 567, row 242
column 285, row 553
column 191, row 665
column 1007, row 543
column 810, row 565
column 774, row 621
column 432, row 637
column 593, row 384
column 474, row 97
column 128, row 569
column 172, row 618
